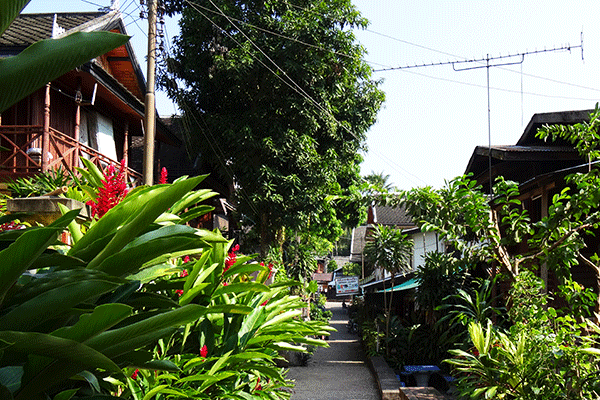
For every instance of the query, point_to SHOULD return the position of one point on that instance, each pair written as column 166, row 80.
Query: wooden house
column 94, row 111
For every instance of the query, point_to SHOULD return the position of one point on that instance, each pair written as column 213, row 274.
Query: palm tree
column 390, row 249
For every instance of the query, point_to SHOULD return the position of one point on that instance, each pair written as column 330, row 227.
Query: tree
column 46, row 60
column 283, row 98
column 390, row 249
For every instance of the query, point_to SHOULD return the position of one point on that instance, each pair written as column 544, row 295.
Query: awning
column 409, row 284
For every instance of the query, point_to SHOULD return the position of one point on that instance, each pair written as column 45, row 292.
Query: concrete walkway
column 338, row 372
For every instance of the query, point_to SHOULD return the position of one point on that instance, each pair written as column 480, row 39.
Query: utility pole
column 150, row 102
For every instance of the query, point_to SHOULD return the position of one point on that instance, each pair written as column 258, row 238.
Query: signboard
column 346, row 285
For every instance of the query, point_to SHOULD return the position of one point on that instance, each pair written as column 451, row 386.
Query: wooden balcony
column 24, row 149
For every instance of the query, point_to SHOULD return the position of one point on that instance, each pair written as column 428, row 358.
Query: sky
column 434, row 116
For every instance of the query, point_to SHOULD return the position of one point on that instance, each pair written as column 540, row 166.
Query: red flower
column 186, row 259
column 112, row 190
column 163, row 176
column 264, row 303
column 258, row 385
column 270, row 266
column 179, row 292
column 231, row 257
column 183, row 273
column 135, row 374
column 203, row 351
column 225, row 284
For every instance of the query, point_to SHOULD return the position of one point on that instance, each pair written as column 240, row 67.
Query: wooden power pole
column 150, row 101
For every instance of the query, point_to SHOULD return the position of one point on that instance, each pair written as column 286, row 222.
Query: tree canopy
column 281, row 99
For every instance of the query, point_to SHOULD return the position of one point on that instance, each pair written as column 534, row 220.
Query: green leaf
column 46, row 60
column 89, row 325
column 131, row 337
column 53, row 303
column 162, row 199
column 65, row 395
column 9, row 10
column 21, row 254
column 159, row 365
column 75, row 355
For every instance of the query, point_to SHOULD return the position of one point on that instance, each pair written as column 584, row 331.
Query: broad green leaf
column 155, row 206
column 159, row 365
column 154, row 272
column 282, row 317
column 76, row 355
column 21, row 254
column 133, row 257
column 192, row 198
column 9, row 10
column 46, row 60
column 53, row 303
column 154, row 391
column 65, row 395
column 89, row 325
column 136, row 335
column 191, row 294
column 194, row 276
column 195, row 213
column 242, row 288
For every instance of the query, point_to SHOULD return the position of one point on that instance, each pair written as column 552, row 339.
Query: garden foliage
column 118, row 314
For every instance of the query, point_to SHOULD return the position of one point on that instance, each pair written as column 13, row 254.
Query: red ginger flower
column 135, row 374
column 163, row 175
column 186, row 259
column 183, row 273
column 204, row 351
column 179, row 292
column 231, row 257
column 113, row 189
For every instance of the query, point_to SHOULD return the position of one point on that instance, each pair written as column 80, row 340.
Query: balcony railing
column 22, row 156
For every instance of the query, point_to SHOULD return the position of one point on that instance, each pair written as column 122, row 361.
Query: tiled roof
column 392, row 216
column 29, row 28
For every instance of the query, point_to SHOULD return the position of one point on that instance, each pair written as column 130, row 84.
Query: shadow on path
column 338, row 372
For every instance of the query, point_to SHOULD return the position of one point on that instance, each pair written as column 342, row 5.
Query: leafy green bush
column 544, row 355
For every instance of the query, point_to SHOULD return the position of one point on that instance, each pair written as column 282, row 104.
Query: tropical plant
column 74, row 321
column 46, row 60
column 40, row 184
column 544, row 355
column 391, row 250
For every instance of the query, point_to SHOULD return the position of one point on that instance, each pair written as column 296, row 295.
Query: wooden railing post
column 46, row 133
column 76, row 133
column 126, row 150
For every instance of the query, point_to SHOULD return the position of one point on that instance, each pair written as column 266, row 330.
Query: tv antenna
column 499, row 61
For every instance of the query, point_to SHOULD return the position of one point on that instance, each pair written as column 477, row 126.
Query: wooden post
column 46, row 133
column 150, row 108
column 76, row 133
column 126, row 150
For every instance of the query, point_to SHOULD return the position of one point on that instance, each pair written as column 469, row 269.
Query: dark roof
column 391, row 216
column 551, row 118
column 27, row 29
column 531, row 156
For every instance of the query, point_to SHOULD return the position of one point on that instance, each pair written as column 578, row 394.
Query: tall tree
column 282, row 99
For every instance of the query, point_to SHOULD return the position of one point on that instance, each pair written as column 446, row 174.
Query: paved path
column 338, row 372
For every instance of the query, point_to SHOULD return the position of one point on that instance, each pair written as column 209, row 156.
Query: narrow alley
column 338, row 372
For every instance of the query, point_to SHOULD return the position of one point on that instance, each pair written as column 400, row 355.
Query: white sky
column 434, row 117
